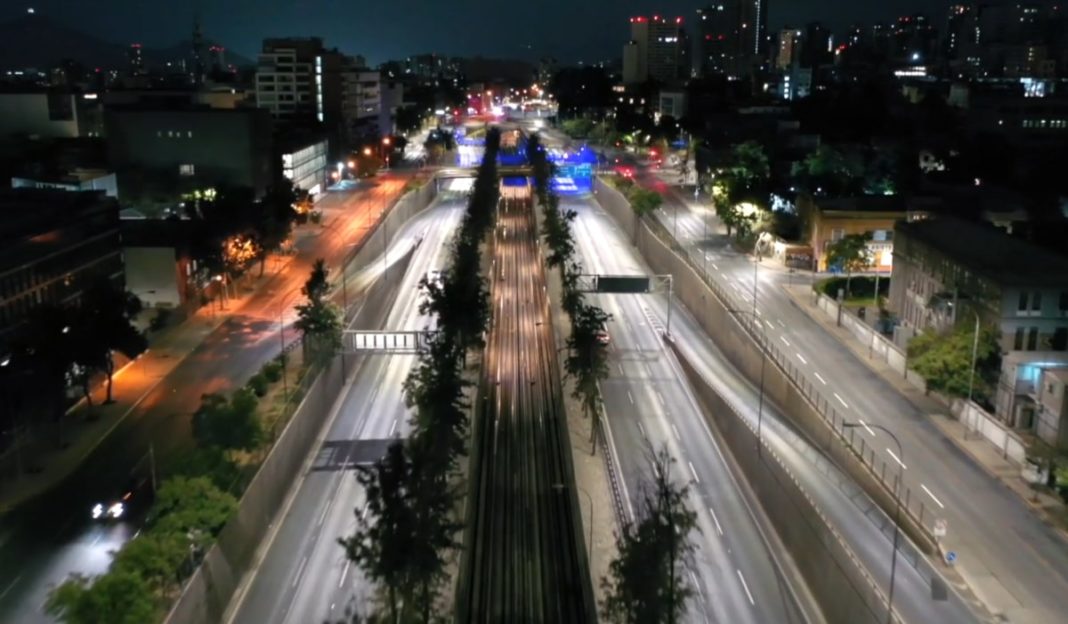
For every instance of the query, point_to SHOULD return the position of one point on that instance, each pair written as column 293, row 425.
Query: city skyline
column 399, row 29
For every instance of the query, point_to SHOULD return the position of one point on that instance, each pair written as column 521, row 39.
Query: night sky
column 571, row 30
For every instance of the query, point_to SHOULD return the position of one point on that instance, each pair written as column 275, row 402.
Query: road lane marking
column 300, row 570
column 693, row 471
column 865, row 425
column 840, row 400
column 326, row 508
column 781, row 323
column 11, row 586
column 676, row 431
column 620, row 369
column 630, row 397
column 770, row 325
column 785, row 341
column 824, row 381
column 802, row 358
column 898, row 460
column 758, row 312
column 344, row 573
column 660, row 398
column 714, row 266
column 392, row 428
column 363, row 514
column 641, row 429
column 719, row 529
column 933, row 497
column 745, row 587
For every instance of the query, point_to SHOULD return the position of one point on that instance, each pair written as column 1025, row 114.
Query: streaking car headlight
column 116, row 510
column 98, row 510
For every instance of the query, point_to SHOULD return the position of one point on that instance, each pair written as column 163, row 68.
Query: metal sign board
column 622, row 284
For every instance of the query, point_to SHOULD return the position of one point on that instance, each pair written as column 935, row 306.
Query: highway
column 1014, row 562
column 51, row 536
column 524, row 559
column 649, row 404
column 641, row 413
column 303, row 575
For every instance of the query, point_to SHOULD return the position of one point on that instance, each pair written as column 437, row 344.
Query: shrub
column 272, row 371
column 258, row 384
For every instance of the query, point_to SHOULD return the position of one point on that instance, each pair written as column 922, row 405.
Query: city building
column 817, row 46
column 361, row 103
column 299, row 82
column 948, row 270
column 658, row 49
column 305, row 162
column 828, row 220
column 1014, row 113
column 671, row 103
column 53, row 244
column 136, row 59
column 731, row 37
column 50, row 114
column 1031, row 395
column 190, row 147
column 74, row 180
column 788, row 52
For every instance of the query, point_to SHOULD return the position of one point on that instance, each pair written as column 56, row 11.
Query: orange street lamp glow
column 385, row 141
column 366, row 151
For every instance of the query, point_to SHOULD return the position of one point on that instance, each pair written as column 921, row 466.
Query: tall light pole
column 975, row 354
column 897, row 510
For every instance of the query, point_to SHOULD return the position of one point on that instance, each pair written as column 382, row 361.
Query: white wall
column 152, row 275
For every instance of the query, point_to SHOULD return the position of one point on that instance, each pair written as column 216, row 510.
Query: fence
column 977, row 421
column 208, row 592
column 740, row 335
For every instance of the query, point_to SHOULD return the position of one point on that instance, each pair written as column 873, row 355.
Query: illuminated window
column 186, row 170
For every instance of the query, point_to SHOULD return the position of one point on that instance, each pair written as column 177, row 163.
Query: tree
column 191, row 507
column 275, row 215
column 645, row 583
column 587, row 359
column 850, row 254
column 831, row 171
column 435, row 391
column 45, row 350
column 749, row 168
column 944, row 360
column 318, row 320
column 384, row 535
column 228, row 424
column 156, row 557
column 106, row 314
column 118, row 597
column 644, row 201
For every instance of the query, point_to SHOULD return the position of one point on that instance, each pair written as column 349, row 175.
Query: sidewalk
column 38, row 463
column 1048, row 508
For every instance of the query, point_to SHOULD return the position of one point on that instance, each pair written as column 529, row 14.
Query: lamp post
column 386, row 142
column 897, row 511
column 975, row 354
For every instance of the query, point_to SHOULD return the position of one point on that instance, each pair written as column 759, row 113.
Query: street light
column 897, row 509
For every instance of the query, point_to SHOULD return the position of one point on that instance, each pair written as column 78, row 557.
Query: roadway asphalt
column 525, row 557
column 303, row 575
column 1008, row 556
column 868, row 530
column 649, row 404
column 51, row 536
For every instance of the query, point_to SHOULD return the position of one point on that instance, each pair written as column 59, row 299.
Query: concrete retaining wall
column 815, row 415
column 976, row 420
column 209, row 590
column 834, row 575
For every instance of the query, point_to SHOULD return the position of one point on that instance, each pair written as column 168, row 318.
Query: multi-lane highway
column 648, row 405
column 525, row 560
column 1014, row 563
column 51, row 536
column 302, row 574
column 640, row 394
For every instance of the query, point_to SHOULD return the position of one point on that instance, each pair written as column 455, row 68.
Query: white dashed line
column 392, row 428
column 865, row 425
column 344, row 573
column 660, row 398
column 770, row 325
column 784, row 340
column 676, row 432
column 693, row 471
column 300, row 570
column 897, row 459
column 802, row 358
column 933, row 497
column 714, row 266
column 719, row 529
column 840, row 400
column 746, row 588
column 630, row 397
column 641, row 429
column 824, row 381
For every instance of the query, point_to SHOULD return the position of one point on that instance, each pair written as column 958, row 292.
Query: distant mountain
column 40, row 42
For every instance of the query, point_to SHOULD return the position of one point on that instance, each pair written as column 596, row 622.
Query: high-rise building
column 817, row 46
column 136, row 59
column 788, row 52
column 658, row 49
column 217, row 58
column 732, row 36
column 361, row 102
column 299, row 82
column 199, row 65
column 961, row 38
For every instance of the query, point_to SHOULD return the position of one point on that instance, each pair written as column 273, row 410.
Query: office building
column 53, row 244
column 304, row 162
column 732, row 37
column 136, row 59
column 299, row 82
column 50, row 114
column 361, row 103
column 658, row 49
column 788, row 52
column 817, row 46
column 193, row 146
